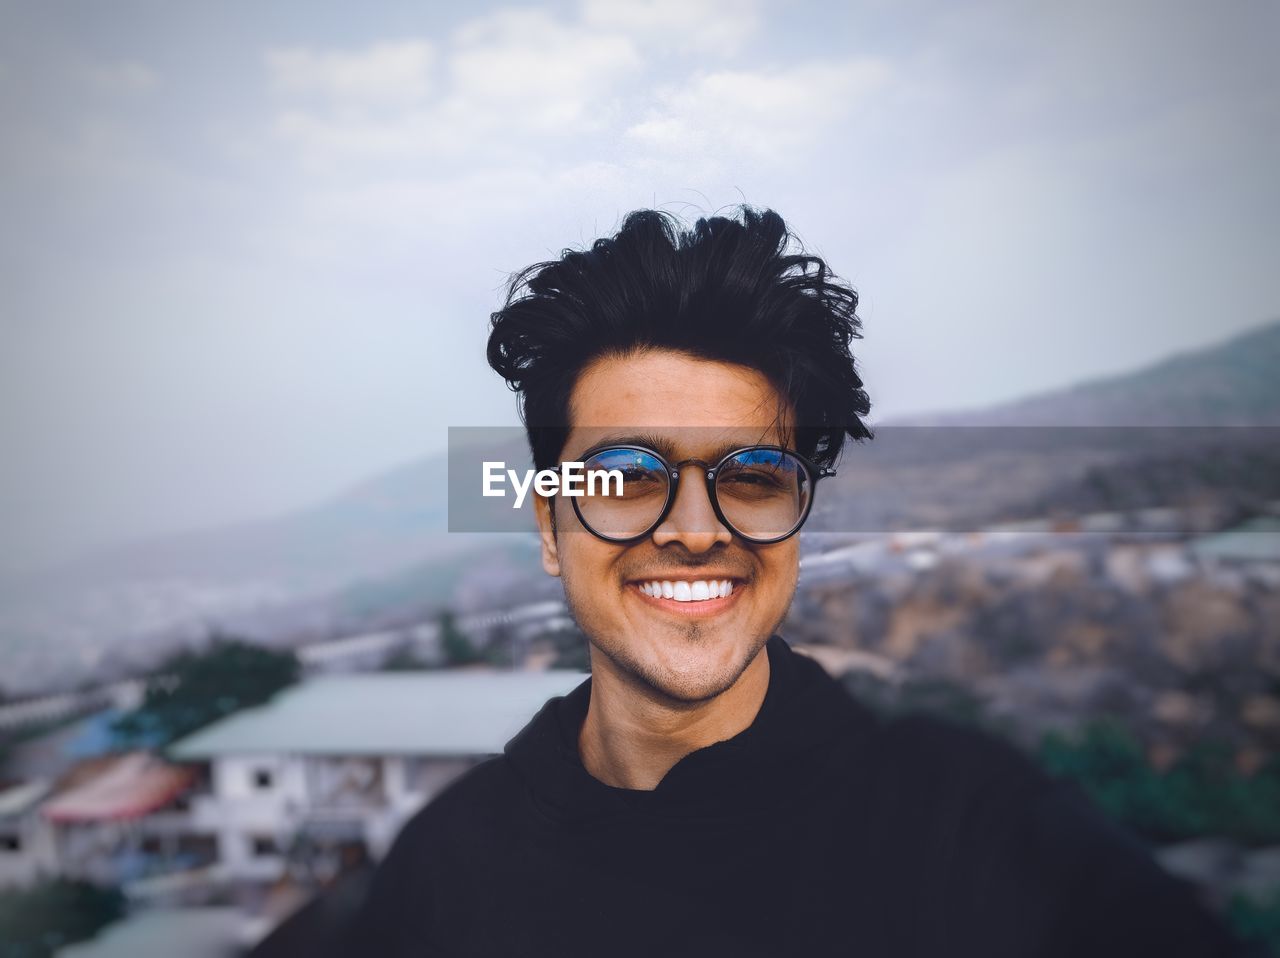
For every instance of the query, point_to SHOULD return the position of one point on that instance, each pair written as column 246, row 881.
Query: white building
column 112, row 819
column 1249, row 550
column 122, row 817
column 348, row 758
column 27, row 851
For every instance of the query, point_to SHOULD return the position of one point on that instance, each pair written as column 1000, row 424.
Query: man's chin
column 691, row 676
column 692, row 690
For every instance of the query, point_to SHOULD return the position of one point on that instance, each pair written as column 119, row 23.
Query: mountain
column 1234, row 383
column 381, row 549
column 110, row 610
column 1198, row 428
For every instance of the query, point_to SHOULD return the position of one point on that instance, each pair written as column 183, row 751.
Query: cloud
column 768, row 114
column 504, row 76
column 711, row 26
column 386, row 73
column 648, row 93
column 552, row 72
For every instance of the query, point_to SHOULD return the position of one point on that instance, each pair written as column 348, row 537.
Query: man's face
column 699, row 409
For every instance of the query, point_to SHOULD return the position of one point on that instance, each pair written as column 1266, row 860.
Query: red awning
column 119, row 788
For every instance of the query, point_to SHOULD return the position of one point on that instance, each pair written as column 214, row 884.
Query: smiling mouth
column 689, row 597
column 687, row 590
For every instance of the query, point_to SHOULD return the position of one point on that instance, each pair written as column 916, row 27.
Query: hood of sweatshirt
column 805, row 726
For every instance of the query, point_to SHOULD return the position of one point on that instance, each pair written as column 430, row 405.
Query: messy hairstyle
column 739, row 290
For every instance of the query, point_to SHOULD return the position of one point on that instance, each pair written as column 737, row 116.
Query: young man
column 708, row 791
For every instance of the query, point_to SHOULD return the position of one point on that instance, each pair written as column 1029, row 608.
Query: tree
column 1202, row 794
column 1107, row 760
column 1257, row 919
column 458, row 649
column 189, row 690
column 403, row 658
column 37, row 921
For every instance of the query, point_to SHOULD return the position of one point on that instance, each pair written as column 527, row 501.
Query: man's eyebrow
column 659, row 444
column 664, row 446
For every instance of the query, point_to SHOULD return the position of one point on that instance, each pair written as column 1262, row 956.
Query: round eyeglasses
column 762, row 494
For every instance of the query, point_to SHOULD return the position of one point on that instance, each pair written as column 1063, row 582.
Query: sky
column 248, row 251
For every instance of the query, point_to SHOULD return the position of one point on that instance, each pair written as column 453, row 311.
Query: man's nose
column 692, row 520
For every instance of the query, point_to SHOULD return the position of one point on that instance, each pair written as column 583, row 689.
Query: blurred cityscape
column 200, row 735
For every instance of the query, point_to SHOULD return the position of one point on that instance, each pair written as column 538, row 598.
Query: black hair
column 740, row 290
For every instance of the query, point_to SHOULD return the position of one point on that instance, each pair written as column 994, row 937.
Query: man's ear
column 543, row 507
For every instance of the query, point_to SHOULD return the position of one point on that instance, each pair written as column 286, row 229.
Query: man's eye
column 763, row 480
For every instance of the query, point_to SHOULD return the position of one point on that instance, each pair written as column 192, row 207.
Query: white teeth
column 682, row 591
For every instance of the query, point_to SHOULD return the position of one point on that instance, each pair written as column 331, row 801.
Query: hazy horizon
column 250, row 253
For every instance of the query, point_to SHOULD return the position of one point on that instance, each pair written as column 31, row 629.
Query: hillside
column 381, row 547
column 1234, row 383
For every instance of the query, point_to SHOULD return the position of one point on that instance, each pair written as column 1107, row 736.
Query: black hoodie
column 818, row 830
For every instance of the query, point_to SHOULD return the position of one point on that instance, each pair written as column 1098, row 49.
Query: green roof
column 191, row 932
column 386, row 713
column 1257, row 540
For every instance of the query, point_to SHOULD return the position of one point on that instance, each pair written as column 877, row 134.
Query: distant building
column 111, row 818
column 123, row 817
column 44, row 709
column 1256, row 541
column 26, row 842
column 346, row 759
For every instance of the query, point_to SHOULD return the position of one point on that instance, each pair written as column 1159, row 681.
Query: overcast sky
column 249, row 250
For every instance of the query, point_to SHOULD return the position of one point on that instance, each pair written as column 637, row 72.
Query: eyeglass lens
column 762, row 493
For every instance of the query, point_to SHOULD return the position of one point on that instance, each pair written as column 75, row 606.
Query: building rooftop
column 446, row 713
column 1257, row 540
column 117, row 788
column 18, row 799
column 191, row 932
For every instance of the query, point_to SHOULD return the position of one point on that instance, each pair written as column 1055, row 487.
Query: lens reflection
column 645, row 486
column 763, row 493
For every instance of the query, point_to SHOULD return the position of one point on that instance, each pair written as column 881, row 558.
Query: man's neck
column 631, row 740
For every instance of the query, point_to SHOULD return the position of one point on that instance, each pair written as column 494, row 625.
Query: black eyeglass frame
column 813, row 473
